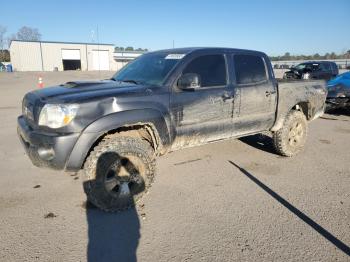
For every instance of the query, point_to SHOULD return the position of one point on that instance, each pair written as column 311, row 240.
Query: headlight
column 56, row 115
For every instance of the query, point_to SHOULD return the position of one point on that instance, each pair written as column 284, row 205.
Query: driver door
column 205, row 113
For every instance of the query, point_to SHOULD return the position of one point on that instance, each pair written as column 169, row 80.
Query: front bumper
column 44, row 149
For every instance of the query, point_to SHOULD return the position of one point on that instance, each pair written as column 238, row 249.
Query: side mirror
column 189, row 81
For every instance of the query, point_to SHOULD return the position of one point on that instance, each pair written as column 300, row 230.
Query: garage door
column 71, row 59
column 100, row 60
column 70, row 54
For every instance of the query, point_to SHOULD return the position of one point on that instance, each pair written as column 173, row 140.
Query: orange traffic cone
column 40, row 82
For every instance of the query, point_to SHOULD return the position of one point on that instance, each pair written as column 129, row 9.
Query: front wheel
column 291, row 138
column 118, row 172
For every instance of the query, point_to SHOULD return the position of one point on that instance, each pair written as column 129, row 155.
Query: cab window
column 249, row 69
column 210, row 68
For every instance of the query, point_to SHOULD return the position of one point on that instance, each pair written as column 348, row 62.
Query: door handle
column 226, row 96
column 268, row 93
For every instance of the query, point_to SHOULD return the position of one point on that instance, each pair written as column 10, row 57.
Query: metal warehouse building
column 60, row 56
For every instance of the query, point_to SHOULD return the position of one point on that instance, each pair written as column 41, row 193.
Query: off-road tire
column 294, row 129
column 99, row 162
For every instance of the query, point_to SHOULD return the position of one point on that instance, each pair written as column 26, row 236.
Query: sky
column 271, row 26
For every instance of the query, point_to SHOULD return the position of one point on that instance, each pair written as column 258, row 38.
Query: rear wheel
column 118, row 172
column 291, row 138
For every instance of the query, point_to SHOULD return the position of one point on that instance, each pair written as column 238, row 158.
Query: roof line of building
column 131, row 51
column 60, row 42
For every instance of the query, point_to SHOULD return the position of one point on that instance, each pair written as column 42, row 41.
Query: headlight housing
column 57, row 115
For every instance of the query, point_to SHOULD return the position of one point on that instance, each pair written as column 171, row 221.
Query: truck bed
column 310, row 95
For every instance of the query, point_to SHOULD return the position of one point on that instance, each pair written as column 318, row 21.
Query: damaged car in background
column 113, row 130
column 313, row 70
column 339, row 92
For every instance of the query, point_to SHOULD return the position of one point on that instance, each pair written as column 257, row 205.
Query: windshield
column 300, row 66
column 148, row 69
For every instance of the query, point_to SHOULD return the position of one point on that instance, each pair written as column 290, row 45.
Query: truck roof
column 317, row 62
column 187, row 50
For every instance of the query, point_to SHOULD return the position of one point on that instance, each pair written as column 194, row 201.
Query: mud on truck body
column 113, row 130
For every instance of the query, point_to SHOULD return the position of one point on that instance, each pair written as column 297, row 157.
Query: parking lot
column 233, row 200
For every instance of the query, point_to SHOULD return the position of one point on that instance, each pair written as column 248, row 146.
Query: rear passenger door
column 257, row 94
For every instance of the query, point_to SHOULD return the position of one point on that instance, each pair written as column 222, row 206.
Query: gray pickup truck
column 163, row 101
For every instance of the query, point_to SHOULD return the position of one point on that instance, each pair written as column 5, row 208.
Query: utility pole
column 98, row 52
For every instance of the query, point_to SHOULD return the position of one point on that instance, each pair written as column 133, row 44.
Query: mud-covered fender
column 307, row 96
column 281, row 116
column 96, row 129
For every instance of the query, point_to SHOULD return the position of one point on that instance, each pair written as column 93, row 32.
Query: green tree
column 117, row 48
column 347, row 54
column 333, row 55
column 4, row 56
column 286, row 56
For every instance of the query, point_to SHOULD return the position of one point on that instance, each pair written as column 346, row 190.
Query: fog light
column 46, row 153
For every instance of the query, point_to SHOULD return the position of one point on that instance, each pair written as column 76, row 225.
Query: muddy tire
column 291, row 138
column 118, row 172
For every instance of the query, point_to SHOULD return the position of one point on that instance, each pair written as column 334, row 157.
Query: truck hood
column 77, row 91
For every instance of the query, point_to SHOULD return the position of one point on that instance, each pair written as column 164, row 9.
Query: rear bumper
column 45, row 149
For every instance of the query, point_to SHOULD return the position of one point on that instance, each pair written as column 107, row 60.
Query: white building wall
column 26, row 56
column 113, row 65
column 52, row 55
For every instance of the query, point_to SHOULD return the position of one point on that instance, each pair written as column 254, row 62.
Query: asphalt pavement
column 233, row 200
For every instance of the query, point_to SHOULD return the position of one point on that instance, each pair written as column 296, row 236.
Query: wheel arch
column 149, row 124
column 304, row 106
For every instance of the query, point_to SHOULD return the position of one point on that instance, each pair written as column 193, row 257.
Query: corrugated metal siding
column 26, row 56
column 52, row 55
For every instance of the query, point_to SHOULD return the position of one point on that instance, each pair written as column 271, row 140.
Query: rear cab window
column 249, row 69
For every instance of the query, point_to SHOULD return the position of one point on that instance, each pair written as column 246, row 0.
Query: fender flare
column 282, row 115
column 101, row 126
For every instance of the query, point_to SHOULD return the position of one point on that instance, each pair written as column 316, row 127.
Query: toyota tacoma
column 113, row 130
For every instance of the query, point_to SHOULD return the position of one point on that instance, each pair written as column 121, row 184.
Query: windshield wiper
column 136, row 82
column 131, row 81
